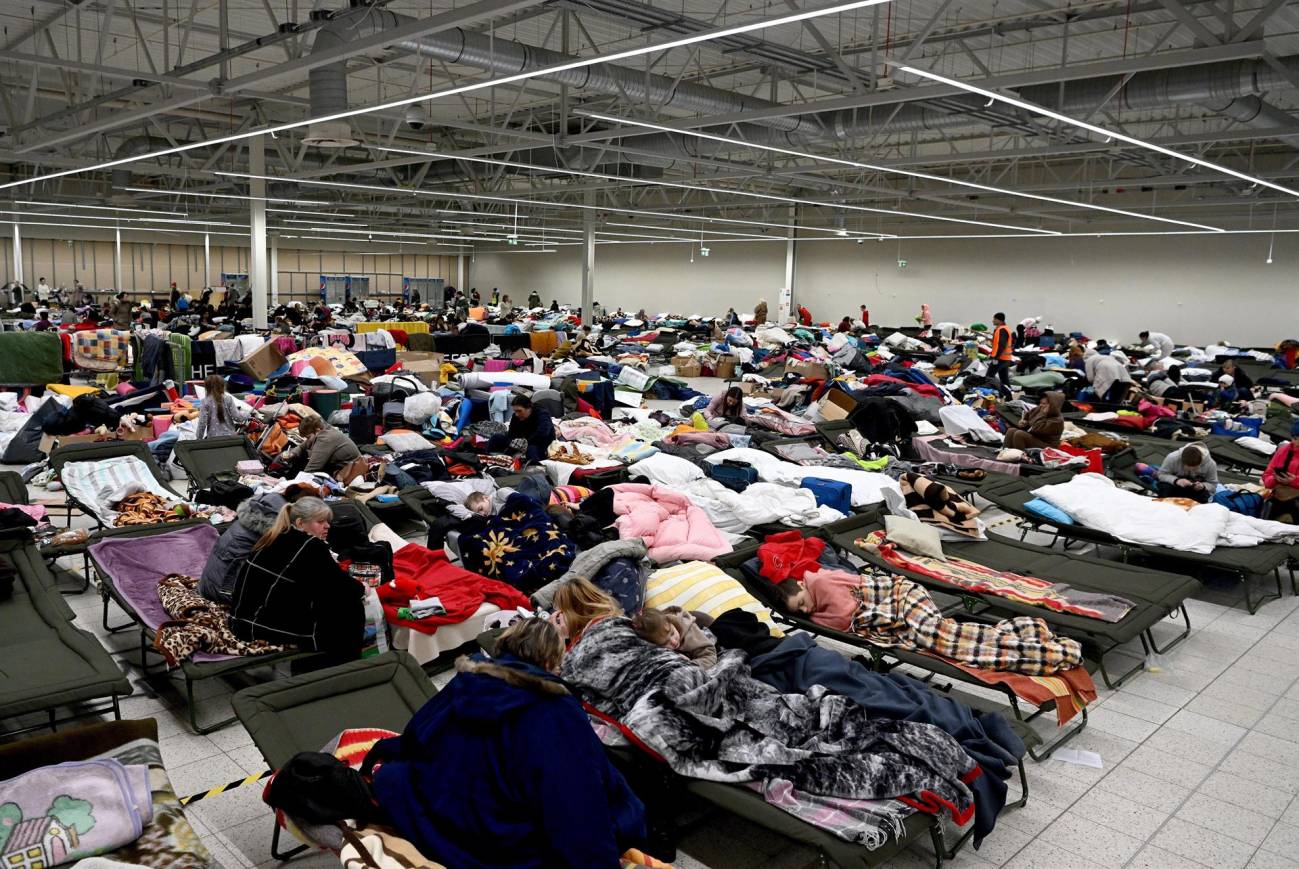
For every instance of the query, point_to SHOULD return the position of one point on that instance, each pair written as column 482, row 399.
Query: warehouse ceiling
column 913, row 118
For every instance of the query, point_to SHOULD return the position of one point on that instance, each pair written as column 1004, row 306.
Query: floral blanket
column 520, row 545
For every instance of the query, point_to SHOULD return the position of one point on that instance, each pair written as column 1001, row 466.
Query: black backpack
column 320, row 789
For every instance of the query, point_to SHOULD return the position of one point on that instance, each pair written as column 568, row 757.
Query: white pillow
column 667, row 470
column 914, row 536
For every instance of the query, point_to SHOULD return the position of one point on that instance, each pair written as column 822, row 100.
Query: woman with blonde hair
column 578, row 603
column 290, row 591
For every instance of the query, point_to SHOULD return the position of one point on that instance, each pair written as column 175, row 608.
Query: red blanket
column 789, row 555
column 422, row 573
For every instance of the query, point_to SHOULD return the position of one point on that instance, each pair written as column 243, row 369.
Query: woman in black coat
column 292, row 592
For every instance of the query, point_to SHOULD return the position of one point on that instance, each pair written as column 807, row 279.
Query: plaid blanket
column 1057, row 597
column 198, row 625
column 101, row 349
column 892, row 611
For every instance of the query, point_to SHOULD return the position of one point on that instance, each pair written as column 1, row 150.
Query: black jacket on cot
column 292, row 592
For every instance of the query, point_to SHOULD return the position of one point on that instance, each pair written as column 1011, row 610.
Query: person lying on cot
column 1188, row 473
column 676, row 629
column 291, row 591
column 501, row 768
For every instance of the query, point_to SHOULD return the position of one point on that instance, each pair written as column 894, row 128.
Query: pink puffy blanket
column 673, row 528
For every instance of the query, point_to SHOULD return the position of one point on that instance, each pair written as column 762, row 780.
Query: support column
column 462, row 280
column 207, row 260
column 785, row 305
column 18, row 254
column 118, row 277
column 258, row 281
column 588, row 262
column 274, row 273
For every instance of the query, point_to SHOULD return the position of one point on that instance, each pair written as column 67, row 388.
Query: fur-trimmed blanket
column 721, row 724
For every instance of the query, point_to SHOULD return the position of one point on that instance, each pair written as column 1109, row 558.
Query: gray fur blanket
column 722, row 724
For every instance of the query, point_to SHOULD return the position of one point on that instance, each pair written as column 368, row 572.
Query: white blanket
column 488, row 379
column 959, row 420
column 867, row 487
column 100, row 484
column 1095, row 502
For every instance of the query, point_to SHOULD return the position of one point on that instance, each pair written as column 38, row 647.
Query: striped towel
column 703, row 587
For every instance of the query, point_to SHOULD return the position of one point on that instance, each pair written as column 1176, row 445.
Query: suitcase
column 830, row 493
column 734, row 475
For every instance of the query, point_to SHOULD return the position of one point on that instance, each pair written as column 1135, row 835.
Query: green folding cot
column 209, row 459
column 1244, row 561
column 50, row 665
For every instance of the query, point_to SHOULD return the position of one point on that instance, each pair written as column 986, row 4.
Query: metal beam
column 1254, row 27
column 1202, row 33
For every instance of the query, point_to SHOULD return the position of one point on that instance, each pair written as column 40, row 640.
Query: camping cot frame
column 192, row 671
column 883, row 659
column 1011, row 495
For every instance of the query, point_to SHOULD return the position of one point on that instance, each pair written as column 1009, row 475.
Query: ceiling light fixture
column 99, row 208
column 221, row 196
column 706, row 189
column 1108, row 135
column 115, row 219
column 873, row 167
column 93, row 226
column 693, row 39
column 670, row 216
column 336, row 223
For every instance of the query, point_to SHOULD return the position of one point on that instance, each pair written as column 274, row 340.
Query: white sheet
column 867, row 487
column 957, row 419
column 1095, row 502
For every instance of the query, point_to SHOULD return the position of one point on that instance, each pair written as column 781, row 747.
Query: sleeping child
column 675, row 629
column 479, row 503
column 891, row 610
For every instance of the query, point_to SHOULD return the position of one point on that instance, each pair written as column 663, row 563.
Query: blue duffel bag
column 830, row 493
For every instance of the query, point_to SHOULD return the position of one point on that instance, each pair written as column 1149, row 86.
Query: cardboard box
column 261, row 362
column 725, row 366
column 686, row 366
column 835, row 404
column 807, row 369
column 427, row 367
column 143, row 433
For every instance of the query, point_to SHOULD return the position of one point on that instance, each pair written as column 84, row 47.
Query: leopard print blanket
column 198, row 624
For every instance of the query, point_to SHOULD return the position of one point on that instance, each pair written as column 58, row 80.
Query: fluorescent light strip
column 384, row 232
column 1100, row 131
column 99, row 208
column 508, row 226
column 858, row 165
column 116, row 219
column 93, row 226
column 300, row 211
column 218, row 196
column 684, row 229
column 337, row 223
column 661, row 215
column 693, row 39
column 705, row 189
column 331, row 238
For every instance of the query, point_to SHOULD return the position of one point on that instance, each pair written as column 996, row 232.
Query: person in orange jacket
column 1002, row 341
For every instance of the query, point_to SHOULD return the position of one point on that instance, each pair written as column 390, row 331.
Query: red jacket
column 789, row 555
column 422, row 573
column 1286, row 458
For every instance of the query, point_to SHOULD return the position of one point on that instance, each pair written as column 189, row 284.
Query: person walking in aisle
column 999, row 367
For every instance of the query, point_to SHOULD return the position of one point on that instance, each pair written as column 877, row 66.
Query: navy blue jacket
column 501, row 769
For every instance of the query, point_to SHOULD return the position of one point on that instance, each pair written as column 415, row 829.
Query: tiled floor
column 1200, row 764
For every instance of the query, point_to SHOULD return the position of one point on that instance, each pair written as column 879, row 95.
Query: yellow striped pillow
column 698, row 585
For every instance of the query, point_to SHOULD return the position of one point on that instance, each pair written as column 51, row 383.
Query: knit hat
column 1226, row 380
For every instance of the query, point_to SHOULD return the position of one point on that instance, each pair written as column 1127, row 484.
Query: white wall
column 1196, row 288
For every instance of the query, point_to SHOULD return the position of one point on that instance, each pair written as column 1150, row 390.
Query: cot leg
column 202, row 730
column 1294, row 587
column 111, row 629
column 1046, row 749
column 941, row 851
column 117, row 709
column 1253, row 605
column 283, row 855
column 1113, row 683
column 1186, row 618
column 1023, row 785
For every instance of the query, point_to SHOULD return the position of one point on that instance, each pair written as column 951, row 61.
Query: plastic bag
column 419, row 409
column 375, row 635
